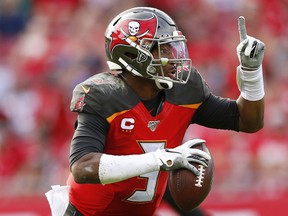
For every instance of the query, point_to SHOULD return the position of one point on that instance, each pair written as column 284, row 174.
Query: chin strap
column 163, row 84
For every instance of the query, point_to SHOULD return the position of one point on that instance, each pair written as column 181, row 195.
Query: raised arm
column 250, row 103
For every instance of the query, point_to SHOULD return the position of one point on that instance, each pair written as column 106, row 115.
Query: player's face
column 169, row 55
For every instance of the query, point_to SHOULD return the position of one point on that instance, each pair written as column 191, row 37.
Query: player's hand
column 179, row 157
column 250, row 50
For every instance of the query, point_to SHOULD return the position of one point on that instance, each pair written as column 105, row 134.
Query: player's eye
column 163, row 51
column 166, row 50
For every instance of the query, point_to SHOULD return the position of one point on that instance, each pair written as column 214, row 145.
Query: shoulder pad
column 104, row 94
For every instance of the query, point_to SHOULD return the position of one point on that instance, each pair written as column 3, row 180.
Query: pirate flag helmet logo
column 131, row 31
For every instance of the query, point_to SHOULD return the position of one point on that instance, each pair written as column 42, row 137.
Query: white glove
column 179, row 157
column 250, row 50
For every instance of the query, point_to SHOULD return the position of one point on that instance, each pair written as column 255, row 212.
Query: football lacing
column 200, row 177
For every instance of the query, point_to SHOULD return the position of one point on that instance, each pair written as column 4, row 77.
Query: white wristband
column 250, row 84
column 118, row 168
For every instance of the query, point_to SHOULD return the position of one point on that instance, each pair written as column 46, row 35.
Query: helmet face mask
column 173, row 50
column 144, row 41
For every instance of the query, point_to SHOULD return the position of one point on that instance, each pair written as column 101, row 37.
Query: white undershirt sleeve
column 251, row 84
column 118, row 168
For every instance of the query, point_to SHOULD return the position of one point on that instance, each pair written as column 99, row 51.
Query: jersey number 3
column 148, row 193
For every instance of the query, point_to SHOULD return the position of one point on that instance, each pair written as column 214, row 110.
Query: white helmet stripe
column 128, row 67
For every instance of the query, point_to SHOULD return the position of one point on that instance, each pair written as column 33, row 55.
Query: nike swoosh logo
column 86, row 90
column 253, row 49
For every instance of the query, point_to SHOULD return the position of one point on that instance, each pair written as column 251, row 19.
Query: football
column 189, row 190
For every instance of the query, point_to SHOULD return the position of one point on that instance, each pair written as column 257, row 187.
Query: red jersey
column 133, row 130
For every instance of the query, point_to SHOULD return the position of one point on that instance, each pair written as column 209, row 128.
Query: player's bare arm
column 85, row 170
column 251, row 115
column 250, row 81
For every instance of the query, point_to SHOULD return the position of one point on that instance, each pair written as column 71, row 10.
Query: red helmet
column 133, row 34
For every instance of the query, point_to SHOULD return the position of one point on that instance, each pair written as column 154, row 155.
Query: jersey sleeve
column 89, row 136
column 217, row 112
column 96, row 100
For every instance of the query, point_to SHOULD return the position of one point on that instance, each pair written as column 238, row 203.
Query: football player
column 132, row 119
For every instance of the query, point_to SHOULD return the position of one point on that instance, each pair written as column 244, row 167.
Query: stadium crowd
column 46, row 47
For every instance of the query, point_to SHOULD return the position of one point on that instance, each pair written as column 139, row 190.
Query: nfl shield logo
column 153, row 124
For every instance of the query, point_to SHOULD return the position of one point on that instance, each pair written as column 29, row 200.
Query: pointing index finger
column 242, row 28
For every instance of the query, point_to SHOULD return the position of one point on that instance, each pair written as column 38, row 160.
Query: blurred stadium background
column 47, row 46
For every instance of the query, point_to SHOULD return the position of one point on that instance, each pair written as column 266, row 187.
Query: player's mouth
column 171, row 72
